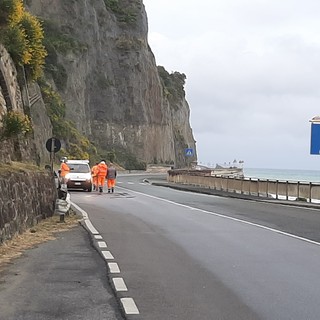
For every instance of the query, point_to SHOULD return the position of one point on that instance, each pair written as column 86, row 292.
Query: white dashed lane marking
column 113, row 267
column 107, row 255
column 119, row 284
column 129, row 306
column 102, row 244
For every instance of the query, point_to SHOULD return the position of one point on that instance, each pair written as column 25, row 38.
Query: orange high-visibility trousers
column 95, row 181
column 101, row 180
column 111, row 183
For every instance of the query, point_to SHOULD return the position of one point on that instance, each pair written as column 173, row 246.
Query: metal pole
column 52, row 154
column 310, row 192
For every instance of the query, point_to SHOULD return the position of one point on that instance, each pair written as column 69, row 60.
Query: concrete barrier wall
column 25, row 198
column 290, row 190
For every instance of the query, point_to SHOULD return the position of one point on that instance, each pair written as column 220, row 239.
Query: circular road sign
column 56, row 145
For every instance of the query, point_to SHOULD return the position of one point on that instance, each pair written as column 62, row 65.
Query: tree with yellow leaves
column 22, row 35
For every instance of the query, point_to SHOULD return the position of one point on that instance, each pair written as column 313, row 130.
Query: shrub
column 22, row 35
column 127, row 15
column 173, row 85
column 15, row 123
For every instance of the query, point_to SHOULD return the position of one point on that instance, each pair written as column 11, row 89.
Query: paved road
column 191, row 256
column 64, row 279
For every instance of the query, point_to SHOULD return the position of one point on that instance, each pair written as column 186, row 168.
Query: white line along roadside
column 87, row 221
column 102, row 244
column 119, row 284
column 113, row 267
column 128, row 304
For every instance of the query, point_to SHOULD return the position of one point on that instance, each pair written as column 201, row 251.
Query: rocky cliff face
column 31, row 148
column 104, row 69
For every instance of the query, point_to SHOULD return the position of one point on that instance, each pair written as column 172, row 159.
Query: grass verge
column 44, row 231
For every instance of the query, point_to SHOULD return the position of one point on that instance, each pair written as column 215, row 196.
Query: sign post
column 315, row 136
column 53, row 145
column 188, row 152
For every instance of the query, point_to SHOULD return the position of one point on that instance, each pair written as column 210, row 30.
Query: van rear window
column 81, row 168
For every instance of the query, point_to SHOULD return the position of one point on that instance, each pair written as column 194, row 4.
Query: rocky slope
column 101, row 64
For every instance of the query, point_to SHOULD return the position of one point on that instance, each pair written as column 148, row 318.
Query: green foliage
column 6, row 9
column 173, row 85
column 60, row 41
column 15, row 124
column 77, row 145
column 59, row 75
column 111, row 156
column 123, row 12
column 56, row 42
column 126, row 42
column 34, row 35
column 22, row 35
column 15, row 42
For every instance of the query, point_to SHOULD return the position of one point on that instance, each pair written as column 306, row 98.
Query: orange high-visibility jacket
column 95, row 170
column 64, row 169
column 102, row 169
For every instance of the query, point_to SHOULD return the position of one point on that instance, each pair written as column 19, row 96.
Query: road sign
column 188, row 152
column 315, row 139
column 53, row 145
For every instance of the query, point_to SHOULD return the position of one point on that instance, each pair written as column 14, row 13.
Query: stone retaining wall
column 25, row 198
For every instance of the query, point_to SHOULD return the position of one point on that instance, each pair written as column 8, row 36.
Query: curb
column 220, row 193
column 126, row 304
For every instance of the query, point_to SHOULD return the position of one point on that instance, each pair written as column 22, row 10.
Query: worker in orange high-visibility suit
column 102, row 173
column 111, row 176
column 64, row 170
column 94, row 174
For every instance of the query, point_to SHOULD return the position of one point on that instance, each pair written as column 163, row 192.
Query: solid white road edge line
column 88, row 223
column 119, row 284
column 129, row 306
column 227, row 217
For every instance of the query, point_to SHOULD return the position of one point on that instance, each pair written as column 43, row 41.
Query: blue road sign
column 315, row 138
column 188, row 152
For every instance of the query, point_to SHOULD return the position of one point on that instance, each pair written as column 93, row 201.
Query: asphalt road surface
column 192, row 256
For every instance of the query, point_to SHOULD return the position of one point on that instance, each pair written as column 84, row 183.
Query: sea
column 283, row 174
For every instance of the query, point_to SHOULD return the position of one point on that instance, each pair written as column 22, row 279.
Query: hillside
column 100, row 64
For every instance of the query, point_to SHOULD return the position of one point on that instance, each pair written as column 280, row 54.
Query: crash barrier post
column 63, row 203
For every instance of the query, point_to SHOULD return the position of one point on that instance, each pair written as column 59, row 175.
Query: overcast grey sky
column 253, row 75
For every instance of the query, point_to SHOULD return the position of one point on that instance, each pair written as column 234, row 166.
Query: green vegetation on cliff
column 124, row 11
column 14, row 124
column 77, row 145
column 22, row 35
column 58, row 42
column 173, row 85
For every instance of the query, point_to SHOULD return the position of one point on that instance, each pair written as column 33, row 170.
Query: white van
column 79, row 176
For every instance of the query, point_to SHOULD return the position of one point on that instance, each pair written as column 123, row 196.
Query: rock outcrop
column 101, row 63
